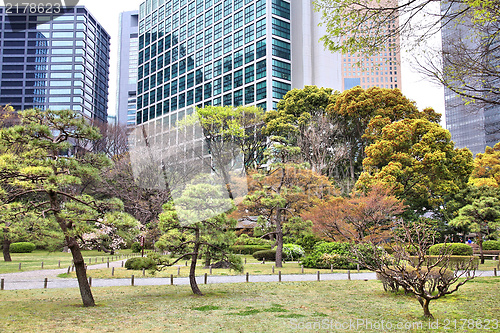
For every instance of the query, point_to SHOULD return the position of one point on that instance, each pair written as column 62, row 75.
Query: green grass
column 33, row 261
column 244, row 307
column 253, row 267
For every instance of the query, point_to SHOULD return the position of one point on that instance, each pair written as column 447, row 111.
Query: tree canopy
column 48, row 165
column 418, row 160
column 372, row 27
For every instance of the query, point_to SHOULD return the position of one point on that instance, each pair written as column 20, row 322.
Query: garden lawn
column 33, row 261
column 245, row 307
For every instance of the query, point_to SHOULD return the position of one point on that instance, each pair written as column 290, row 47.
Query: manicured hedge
column 491, row 245
column 325, row 255
column 138, row 263
column 248, row 249
column 455, row 262
column 269, row 255
column 22, row 247
column 456, row 249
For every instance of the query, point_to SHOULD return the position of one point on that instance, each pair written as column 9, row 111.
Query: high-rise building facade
column 127, row 68
column 381, row 70
column 473, row 125
column 214, row 52
column 54, row 62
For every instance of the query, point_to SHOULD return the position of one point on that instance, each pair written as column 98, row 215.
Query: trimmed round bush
column 455, row 249
column 244, row 239
column 136, row 247
column 268, row 255
column 326, row 254
column 22, row 247
column 248, row 249
column 292, row 252
column 139, row 263
column 491, row 245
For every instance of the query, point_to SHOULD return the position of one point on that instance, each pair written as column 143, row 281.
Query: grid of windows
column 69, row 54
column 211, row 54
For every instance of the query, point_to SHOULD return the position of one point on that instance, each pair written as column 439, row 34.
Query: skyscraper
column 127, row 68
column 228, row 52
column 470, row 60
column 55, row 61
column 379, row 70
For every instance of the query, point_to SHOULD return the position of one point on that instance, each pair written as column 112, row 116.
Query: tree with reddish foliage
column 280, row 194
column 362, row 216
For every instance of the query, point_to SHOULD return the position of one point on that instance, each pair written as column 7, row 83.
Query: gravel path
column 35, row 279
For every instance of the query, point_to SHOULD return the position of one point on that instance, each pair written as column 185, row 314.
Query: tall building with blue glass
column 54, row 62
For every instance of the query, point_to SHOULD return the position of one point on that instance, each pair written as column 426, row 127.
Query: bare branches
column 409, row 266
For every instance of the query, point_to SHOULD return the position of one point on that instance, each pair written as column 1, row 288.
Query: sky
column 414, row 86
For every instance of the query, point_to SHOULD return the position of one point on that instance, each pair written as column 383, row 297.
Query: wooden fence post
column 42, row 264
column 59, row 264
column 45, row 282
column 132, row 280
column 178, row 271
column 495, row 271
column 172, row 279
column 302, row 266
column 279, row 276
column 112, row 271
column 206, row 278
column 2, row 284
column 273, row 269
column 318, row 275
column 69, row 269
column 348, row 275
column 247, row 276
column 19, row 266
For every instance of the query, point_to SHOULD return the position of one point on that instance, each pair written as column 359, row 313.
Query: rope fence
column 46, row 282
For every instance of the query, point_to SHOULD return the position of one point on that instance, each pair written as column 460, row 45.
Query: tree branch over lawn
column 426, row 277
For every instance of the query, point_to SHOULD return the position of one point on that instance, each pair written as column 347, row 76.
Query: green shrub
column 308, row 242
column 269, row 255
column 490, row 245
column 292, row 252
column 248, row 249
column 136, row 247
column 244, row 239
column 22, row 247
column 326, row 254
column 456, row 249
column 138, row 263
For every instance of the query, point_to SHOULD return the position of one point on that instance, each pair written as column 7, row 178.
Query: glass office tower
column 56, row 62
column 212, row 52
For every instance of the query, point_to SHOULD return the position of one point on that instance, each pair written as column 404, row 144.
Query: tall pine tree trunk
column 6, row 248
column 279, row 240
column 81, row 272
column 192, row 271
column 480, row 243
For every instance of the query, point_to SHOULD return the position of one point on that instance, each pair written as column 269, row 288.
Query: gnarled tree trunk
column 81, row 271
column 425, row 306
column 279, row 240
column 192, row 271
